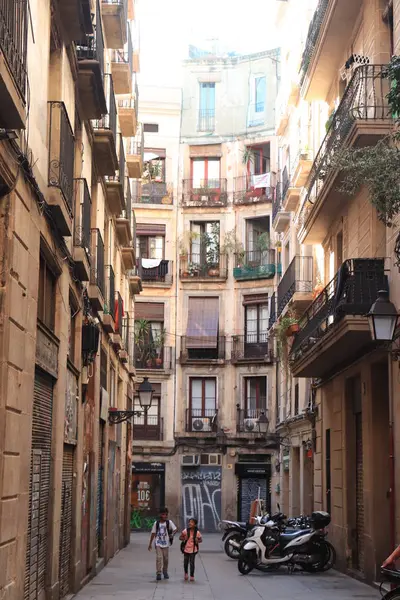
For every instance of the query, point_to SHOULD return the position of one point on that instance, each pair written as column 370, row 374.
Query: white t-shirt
column 162, row 535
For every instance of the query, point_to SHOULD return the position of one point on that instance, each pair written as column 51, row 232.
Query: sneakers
column 166, row 576
column 186, row 577
column 192, row 579
column 158, row 578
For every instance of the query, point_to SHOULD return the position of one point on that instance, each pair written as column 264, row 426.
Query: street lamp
column 382, row 318
column 145, row 392
column 263, row 423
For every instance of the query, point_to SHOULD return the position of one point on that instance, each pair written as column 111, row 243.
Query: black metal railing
column 277, row 201
column 163, row 273
column 365, row 100
column 150, row 430
column 97, row 265
column 61, row 152
column 255, row 258
column 252, row 346
column 108, row 121
column 206, row 120
column 119, row 309
column 120, row 175
column 245, row 192
column 248, row 418
column 298, row 277
column 272, row 311
column 120, row 56
column 203, row 266
column 13, row 39
column 83, row 204
column 202, row 420
column 157, row 193
column 203, row 348
column 153, row 355
column 312, row 36
column 125, row 332
column 351, row 292
column 136, row 189
column 109, row 304
column 285, row 182
column 92, row 46
column 134, row 146
column 206, row 192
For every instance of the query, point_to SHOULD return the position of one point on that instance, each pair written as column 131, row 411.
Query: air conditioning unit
column 190, row 460
column 214, row 459
column 200, row 424
column 249, row 424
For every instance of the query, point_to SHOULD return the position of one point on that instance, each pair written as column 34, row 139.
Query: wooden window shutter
column 149, row 229
column 151, row 311
column 255, row 299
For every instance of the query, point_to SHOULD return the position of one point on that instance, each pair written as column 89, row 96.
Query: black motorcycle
column 393, row 577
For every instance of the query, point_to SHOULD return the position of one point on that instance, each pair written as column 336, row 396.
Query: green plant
column 159, row 341
column 263, row 242
column 281, row 336
column 329, row 121
column 151, row 170
column 248, row 156
column 392, row 72
column 231, row 244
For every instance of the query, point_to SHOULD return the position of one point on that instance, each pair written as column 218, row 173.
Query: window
column 150, row 127
column 256, row 323
column 46, row 294
column 202, row 403
column 296, row 399
column 149, row 343
column 207, row 107
column 202, row 338
column 153, row 172
column 255, row 396
column 150, row 246
column 73, row 311
column 147, row 425
column 206, row 173
column 103, row 369
column 259, row 94
column 205, row 243
column 257, row 238
column 112, row 387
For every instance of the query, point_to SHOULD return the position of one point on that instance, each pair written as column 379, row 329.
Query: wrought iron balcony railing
column 149, row 429
column 206, row 120
column 245, row 191
column 118, row 312
column 125, row 332
column 92, row 46
column 277, row 201
column 120, row 175
column 134, row 146
column 97, row 264
column 205, row 192
column 157, row 193
column 312, row 36
column 61, row 153
column 272, row 311
column 351, row 292
column 203, row 266
column 255, row 264
column 108, row 121
column 83, row 204
column 248, row 418
column 109, row 304
column 203, row 348
column 120, row 56
column 163, row 273
column 298, row 277
column 251, row 346
column 285, row 182
column 202, row 420
column 13, row 39
column 364, row 100
column 153, row 356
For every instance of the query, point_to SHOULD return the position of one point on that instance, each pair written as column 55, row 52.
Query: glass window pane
column 210, row 395
column 264, row 317
column 156, row 247
column 198, row 173
column 251, row 324
column 213, row 173
column 197, row 387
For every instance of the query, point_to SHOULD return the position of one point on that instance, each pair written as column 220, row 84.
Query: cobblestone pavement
column 131, row 574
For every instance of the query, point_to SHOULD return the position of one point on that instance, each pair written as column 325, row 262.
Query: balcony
column 247, row 190
column 280, row 216
column 203, row 350
column 152, row 356
column 296, row 285
column 159, row 276
column 248, row 418
column 134, row 156
column 206, row 120
column 115, row 17
column 124, row 352
column 135, row 281
column 105, row 134
column 118, row 331
column 128, row 255
column 125, row 224
column 115, row 184
column 61, row 167
column 90, row 54
column 200, row 267
column 81, row 249
column 148, row 429
column 254, row 264
column 122, row 68
column 361, row 119
column 76, row 18
column 96, row 282
column 109, row 309
column 202, row 420
column 334, row 330
column 330, row 30
column 157, row 193
column 250, row 348
column 13, row 63
column 301, row 170
column 204, row 193
column 127, row 113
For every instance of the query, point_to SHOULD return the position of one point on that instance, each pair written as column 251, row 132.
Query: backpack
column 171, row 537
column 184, row 542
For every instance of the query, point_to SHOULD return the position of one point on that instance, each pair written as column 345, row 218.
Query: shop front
column 254, row 482
column 147, row 494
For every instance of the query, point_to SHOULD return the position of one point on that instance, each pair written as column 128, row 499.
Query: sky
column 167, row 27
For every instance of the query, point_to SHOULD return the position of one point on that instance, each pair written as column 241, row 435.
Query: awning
column 203, row 321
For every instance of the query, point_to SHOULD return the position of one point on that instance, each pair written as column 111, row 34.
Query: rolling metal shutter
column 149, row 229
column 152, row 311
column 100, row 488
column 359, row 494
column 39, row 489
column 66, row 519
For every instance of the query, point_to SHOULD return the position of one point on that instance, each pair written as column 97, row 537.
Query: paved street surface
column 131, row 575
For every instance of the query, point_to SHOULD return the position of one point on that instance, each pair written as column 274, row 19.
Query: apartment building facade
column 353, row 385
column 67, row 244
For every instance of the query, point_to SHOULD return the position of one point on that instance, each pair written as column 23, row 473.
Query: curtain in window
column 264, row 318
column 202, row 326
column 251, row 324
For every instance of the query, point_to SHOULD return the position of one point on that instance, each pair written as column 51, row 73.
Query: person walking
column 163, row 532
column 190, row 538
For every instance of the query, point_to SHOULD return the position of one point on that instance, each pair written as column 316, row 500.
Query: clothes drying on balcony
column 261, row 181
column 151, row 263
column 154, row 268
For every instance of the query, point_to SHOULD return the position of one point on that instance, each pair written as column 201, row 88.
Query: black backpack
column 196, row 543
column 171, row 537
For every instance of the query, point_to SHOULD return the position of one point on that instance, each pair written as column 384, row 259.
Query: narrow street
column 131, row 574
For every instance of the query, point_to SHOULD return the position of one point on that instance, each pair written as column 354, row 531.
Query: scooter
column 236, row 532
column 268, row 546
column 392, row 576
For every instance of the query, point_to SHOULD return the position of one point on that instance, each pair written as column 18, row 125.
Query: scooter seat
column 291, row 535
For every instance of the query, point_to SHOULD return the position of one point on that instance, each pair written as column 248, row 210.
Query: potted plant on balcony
column 286, row 327
column 142, row 339
column 159, row 342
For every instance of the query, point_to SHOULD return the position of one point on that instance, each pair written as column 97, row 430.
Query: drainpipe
column 392, row 478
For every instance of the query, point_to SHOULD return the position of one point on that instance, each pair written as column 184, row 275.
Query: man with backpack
column 190, row 540
column 163, row 531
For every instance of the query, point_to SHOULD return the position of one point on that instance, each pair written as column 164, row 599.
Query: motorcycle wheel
column 244, row 567
column 323, row 552
column 331, row 559
column 393, row 595
column 231, row 551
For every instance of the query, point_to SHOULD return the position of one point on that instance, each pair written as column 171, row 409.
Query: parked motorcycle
column 236, row 532
column 393, row 577
column 269, row 546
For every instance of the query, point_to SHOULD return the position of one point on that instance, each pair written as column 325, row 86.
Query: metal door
column 111, row 499
column 251, row 489
column 359, row 547
column 99, row 516
column 39, row 488
column 66, row 519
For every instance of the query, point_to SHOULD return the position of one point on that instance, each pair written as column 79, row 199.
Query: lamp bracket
column 119, row 416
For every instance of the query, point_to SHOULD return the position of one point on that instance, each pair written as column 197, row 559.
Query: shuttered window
column 46, row 294
column 151, row 311
column 203, row 323
column 66, row 519
column 146, row 229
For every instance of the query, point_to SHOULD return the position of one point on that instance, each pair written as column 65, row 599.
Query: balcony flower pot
column 166, row 200
column 158, row 362
column 149, row 363
column 292, row 329
column 213, row 272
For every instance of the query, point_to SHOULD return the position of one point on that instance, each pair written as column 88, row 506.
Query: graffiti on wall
column 201, row 496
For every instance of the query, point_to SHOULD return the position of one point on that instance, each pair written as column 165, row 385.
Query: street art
column 141, row 521
column 201, row 496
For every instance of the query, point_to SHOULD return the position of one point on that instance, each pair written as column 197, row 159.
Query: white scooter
column 268, row 547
